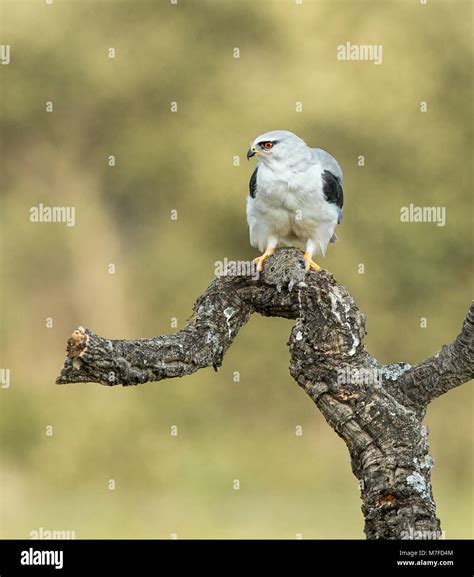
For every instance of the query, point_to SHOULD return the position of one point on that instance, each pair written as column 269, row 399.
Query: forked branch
column 377, row 409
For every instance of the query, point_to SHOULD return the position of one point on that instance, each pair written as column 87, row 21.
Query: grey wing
column 332, row 177
column 252, row 219
column 332, row 190
column 253, row 184
column 254, row 222
column 327, row 162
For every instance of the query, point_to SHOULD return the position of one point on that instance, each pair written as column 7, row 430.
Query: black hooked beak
column 250, row 152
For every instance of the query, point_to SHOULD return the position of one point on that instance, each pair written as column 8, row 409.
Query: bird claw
column 261, row 259
column 310, row 264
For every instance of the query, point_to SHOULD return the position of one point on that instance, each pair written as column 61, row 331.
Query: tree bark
column 377, row 409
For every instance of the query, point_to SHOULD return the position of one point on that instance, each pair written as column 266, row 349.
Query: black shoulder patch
column 253, row 184
column 332, row 188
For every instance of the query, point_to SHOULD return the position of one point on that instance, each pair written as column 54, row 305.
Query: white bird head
column 277, row 146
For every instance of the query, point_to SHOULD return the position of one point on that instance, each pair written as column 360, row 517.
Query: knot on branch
column 77, row 345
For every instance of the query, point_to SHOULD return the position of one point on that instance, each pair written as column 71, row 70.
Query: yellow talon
column 261, row 259
column 310, row 264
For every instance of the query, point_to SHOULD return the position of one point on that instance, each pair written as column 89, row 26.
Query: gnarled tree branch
column 377, row 409
column 449, row 368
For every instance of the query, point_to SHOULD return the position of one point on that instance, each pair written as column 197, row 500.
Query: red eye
column 267, row 145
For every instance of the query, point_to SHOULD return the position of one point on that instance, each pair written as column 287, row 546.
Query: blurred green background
column 184, row 161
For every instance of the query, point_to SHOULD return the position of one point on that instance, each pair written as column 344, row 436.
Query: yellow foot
column 310, row 264
column 261, row 259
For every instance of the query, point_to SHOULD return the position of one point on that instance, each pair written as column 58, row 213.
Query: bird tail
column 334, row 238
